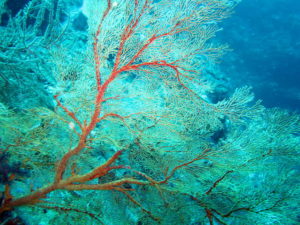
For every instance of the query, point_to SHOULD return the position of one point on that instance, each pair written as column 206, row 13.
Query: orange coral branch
column 68, row 112
column 95, row 46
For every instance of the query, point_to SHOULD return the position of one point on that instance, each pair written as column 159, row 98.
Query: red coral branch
column 217, row 181
column 68, row 112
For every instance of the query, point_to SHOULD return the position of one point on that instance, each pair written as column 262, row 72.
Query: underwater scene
column 149, row 112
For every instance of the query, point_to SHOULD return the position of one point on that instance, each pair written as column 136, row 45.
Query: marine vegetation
column 115, row 112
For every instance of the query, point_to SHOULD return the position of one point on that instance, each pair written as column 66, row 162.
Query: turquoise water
column 139, row 112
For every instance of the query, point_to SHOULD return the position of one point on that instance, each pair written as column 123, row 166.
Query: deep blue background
column 265, row 38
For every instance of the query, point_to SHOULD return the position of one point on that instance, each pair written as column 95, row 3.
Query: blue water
column 264, row 36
